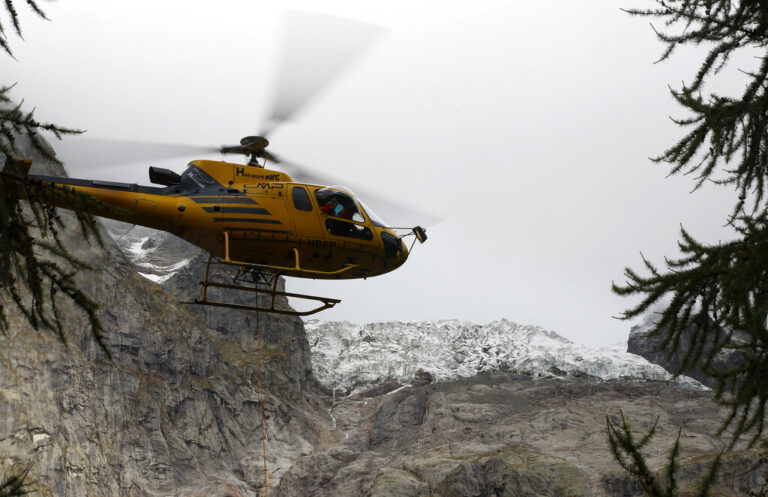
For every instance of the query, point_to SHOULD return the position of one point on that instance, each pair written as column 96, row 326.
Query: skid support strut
column 262, row 281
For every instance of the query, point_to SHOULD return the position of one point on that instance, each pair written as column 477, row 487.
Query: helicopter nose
column 395, row 250
column 403, row 254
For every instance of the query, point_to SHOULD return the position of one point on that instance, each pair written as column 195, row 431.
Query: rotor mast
column 253, row 146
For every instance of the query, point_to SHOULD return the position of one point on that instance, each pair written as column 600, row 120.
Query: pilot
column 348, row 213
column 333, row 207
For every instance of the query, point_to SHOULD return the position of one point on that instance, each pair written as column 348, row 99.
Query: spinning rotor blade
column 395, row 213
column 84, row 154
column 316, row 49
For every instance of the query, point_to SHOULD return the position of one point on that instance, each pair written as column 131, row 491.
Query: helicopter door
column 304, row 214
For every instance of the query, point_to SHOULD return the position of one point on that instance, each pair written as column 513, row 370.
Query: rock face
column 510, row 435
column 643, row 344
column 177, row 410
column 157, row 255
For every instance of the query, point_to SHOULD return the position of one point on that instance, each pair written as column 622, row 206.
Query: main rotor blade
column 316, row 49
column 84, row 154
column 395, row 213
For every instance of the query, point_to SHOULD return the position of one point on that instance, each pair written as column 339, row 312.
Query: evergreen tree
column 627, row 452
column 15, row 485
column 33, row 259
column 717, row 292
column 35, row 266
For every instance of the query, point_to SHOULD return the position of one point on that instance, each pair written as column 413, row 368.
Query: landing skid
column 263, row 279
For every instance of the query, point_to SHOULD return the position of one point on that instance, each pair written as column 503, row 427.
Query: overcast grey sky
column 526, row 125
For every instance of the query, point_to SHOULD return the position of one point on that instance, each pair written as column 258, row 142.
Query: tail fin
column 17, row 167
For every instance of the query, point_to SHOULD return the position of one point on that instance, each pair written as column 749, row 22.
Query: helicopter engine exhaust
column 161, row 176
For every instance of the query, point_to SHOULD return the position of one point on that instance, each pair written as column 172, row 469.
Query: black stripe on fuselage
column 223, row 200
column 237, row 210
column 104, row 185
column 255, row 230
column 245, row 220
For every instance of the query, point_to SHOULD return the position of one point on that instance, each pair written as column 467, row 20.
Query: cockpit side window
column 338, row 204
column 301, row 199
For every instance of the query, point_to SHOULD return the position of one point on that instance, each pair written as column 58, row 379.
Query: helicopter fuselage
column 255, row 216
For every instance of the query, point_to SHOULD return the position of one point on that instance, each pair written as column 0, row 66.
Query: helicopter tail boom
column 131, row 203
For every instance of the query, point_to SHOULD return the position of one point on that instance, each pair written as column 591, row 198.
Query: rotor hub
column 254, row 143
column 255, row 146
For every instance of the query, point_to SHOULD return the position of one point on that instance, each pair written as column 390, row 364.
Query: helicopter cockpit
column 339, row 207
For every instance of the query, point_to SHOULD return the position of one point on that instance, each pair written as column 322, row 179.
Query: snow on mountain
column 351, row 358
column 157, row 255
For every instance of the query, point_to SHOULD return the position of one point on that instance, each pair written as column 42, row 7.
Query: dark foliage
column 15, row 485
column 628, row 453
column 15, row 123
column 36, row 270
column 35, row 267
column 721, row 129
column 715, row 288
column 763, row 490
column 10, row 8
column 719, row 291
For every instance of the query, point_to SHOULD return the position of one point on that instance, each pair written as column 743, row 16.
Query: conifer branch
column 628, row 453
column 33, row 270
column 718, row 293
column 720, row 129
column 15, row 122
column 15, row 485
column 27, row 259
column 10, row 9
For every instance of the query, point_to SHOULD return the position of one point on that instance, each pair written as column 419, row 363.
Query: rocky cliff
column 177, row 409
column 176, row 412
column 643, row 343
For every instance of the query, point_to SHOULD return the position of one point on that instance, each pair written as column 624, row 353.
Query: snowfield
column 351, row 358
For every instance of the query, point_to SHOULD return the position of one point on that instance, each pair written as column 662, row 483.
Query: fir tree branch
column 15, row 485
column 721, row 129
column 718, row 292
column 34, row 272
column 628, row 453
column 10, row 9
column 15, row 122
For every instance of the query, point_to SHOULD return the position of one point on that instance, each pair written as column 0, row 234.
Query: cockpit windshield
column 338, row 202
column 375, row 218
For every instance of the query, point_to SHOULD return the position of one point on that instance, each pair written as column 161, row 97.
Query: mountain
column 643, row 343
column 156, row 255
column 388, row 409
column 351, row 358
column 177, row 409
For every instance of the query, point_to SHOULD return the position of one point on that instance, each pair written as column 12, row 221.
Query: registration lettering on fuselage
column 327, row 244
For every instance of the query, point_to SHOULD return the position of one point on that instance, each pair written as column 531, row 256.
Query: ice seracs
column 351, row 358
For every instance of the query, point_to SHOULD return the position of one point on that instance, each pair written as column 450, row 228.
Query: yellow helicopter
column 257, row 219
column 261, row 220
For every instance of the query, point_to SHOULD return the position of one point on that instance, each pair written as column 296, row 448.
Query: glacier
column 351, row 358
